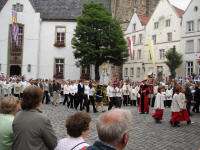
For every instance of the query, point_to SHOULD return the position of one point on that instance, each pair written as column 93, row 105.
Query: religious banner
column 15, row 27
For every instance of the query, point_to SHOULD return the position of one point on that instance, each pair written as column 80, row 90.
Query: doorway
column 15, row 70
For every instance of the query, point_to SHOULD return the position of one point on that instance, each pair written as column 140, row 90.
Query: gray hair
column 112, row 125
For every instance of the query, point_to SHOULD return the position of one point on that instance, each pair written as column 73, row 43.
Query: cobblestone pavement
column 144, row 134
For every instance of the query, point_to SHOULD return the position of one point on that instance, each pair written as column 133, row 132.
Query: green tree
column 98, row 38
column 174, row 60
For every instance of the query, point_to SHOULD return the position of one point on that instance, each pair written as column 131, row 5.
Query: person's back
column 112, row 128
column 30, row 131
column 77, row 126
column 8, row 108
column 6, row 131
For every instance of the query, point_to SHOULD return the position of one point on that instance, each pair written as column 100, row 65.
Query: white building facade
column 191, row 38
column 163, row 31
column 43, row 48
column 134, row 68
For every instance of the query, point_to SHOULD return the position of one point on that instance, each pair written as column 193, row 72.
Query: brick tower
column 124, row 9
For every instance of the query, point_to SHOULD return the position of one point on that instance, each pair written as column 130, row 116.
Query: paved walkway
column 144, row 134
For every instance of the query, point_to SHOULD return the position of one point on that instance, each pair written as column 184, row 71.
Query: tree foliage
column 98, row 38
column 174, row 60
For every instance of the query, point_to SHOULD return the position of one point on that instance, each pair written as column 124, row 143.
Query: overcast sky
column 180, row 3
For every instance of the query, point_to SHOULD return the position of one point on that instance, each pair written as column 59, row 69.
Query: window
column 190, row 26
column 59, row 68
column 190, row 46
column 132, row 72
column 195, row 8
column 140, row 38
column 60, row 37
column 198, row 25
column 156, row 24
column 169, row 37
column 138, row 72
column 133, row 40
column 189, row 68
column 134, row 27
column 168, row 22
column 133, row 55
column 139, row 56
column 126, row 72
column 18, row 7
column 162, row 54
column 29, row 68
column 154, row 39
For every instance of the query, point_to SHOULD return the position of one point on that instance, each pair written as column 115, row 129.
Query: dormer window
column 18, row 7
column 156, row 24
column 195, row 8
column 134, row 27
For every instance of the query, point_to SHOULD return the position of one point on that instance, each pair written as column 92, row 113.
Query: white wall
column 163, row 12
column 135, row 63
column 31, row 22
column 48, row 52
column 191, row 15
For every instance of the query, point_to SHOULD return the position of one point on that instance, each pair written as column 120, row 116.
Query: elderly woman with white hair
column 112, row 129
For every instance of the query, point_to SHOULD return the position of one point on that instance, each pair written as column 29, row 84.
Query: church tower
column 124, row 9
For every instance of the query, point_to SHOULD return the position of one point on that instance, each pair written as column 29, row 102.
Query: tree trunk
column 173, row 73
column 97, row 77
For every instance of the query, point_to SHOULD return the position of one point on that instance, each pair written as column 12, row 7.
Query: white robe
column 176, row 101
column 182, row 101
column 159, row 101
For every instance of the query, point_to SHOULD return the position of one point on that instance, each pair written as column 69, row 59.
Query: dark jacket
column 33, row 131
column 98, row 145
column 56, row 87
column 197, row 95
column 188, row 94
column 81, row 89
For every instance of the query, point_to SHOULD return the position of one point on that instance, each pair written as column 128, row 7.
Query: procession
column 182, row 98
column 99, row 74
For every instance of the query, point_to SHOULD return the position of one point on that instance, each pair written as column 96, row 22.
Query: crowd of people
column 21, row 100
column 23, row 126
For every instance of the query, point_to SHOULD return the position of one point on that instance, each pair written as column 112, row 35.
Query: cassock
column 143, row 105
column 159, row 106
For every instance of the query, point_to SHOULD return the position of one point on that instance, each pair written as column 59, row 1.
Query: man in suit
column 81, row 90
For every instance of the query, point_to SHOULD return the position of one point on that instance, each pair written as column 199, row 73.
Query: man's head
column 112, row 127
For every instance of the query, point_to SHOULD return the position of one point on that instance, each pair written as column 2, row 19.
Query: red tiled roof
column 179, row 11
column 143, row 19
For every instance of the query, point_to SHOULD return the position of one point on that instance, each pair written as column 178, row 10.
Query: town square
column 99, row 74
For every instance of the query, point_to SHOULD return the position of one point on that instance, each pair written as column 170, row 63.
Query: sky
column 180, row 3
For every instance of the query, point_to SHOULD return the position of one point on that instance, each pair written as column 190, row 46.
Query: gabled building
column 191, row 38
column 42, row 48
column 163, row 32
column 38, row 43
column 133, row 69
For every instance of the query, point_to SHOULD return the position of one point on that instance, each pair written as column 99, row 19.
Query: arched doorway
column 15, row 70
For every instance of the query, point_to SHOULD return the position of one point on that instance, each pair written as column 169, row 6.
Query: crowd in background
column 26, row 128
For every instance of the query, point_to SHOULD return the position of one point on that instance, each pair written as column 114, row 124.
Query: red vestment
column 184, row 116
column 143, row 104
column 158, row 114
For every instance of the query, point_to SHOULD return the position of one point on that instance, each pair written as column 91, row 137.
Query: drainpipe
column 39, row 49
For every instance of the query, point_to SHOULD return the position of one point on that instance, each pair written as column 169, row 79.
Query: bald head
column 112, row 125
